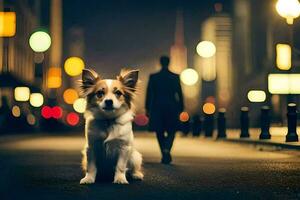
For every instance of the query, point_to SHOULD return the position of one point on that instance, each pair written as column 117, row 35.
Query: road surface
column 48, row 167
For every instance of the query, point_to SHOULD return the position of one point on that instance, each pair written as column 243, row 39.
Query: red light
column 57, row 112
column 141, row 120
column 72, row 119
column 46, row 112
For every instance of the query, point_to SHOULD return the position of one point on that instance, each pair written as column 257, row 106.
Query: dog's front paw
column 138, row 175
column 120, row 179
column 87, row 180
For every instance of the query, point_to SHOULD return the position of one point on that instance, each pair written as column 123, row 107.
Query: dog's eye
column 100, row 94
column 118, row 93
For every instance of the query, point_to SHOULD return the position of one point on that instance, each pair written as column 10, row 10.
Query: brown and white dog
column 108, row 127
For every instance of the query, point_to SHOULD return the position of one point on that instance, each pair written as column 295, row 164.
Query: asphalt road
column 48, row 167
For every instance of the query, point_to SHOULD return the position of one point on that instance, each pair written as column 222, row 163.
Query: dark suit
column 164, row 103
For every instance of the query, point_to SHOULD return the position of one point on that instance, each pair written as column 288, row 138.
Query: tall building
column 20, row 62
column 216, row 71
column 178, row 51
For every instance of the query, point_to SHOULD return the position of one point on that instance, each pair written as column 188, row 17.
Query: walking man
column 164, row 103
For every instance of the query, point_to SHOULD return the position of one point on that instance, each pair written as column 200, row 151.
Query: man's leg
column 169, row 140
column 161, row 140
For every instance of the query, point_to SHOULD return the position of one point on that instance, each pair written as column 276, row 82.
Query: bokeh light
column 189, row 76
column 54, row 77
column 40, row 41
column 74, row 66
column 288, row 9
column 36, row 99
column 283, row 56
column 31, row 119
column 22, row 93
column 16, row 112
column 79, row 105
column 7, row 24
column 184, row 117
column 141, row 120
column 70, row 95
column 256, row 96
column 46, row 112
column 72, row 119
column 206, row 49
column 209, row 108
column 57, row 112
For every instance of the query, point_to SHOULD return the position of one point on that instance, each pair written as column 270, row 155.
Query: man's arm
column 179, row 92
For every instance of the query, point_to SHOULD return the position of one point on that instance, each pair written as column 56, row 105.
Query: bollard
column 244, row 120
column 292, row 135
column 265, row 123
column 208, row 125
column 196, row 126
column 221, row 123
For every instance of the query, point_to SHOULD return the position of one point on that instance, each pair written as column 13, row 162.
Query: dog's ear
column 129, row 78
column 89, row 79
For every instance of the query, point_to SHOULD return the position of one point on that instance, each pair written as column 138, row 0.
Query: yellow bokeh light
column 7, row 24
column 54, row 77
column 74, row 66
column 288, row 9
column 256, row 96
column 209, row 108
column 184, row 117
column 189, row 76
column 16, row 112
column 283, row 56
column 79, row 105
column 40, row 41
column 206, row 49
column 36, row 99
column 70, row 95
column 284, row 83
column 22, row 93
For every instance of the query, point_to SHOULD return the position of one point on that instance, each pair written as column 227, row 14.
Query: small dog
column 108, row 127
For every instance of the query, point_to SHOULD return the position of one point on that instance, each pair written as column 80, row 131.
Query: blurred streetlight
column 189, row 76
column 289, row 9
column 284, row 83
column 209, row 108
column 256, row 96
column 283, row 56
column 36, row 99
column 184, row 117
column 79, row 105
column 7, row 24
column 40, row 41
column 74, row 66
column 70, row 95
column 22, row 93
column 54, row 77
column 16, row 112
column 206, row 49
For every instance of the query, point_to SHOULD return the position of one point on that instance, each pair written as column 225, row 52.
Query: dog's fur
column 108, row 129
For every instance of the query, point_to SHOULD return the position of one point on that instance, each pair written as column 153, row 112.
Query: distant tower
column 178, row 51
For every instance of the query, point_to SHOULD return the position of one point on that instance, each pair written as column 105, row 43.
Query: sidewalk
column 278, row 137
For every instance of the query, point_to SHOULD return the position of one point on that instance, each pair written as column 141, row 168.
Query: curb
column 263, row 142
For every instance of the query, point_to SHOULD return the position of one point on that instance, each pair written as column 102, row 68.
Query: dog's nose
column 108, row 103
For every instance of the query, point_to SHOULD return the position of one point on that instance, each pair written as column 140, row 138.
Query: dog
column 108, row 126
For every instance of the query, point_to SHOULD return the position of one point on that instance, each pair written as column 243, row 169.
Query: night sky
column 133, row 33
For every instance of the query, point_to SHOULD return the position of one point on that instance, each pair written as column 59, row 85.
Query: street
column 48, row 167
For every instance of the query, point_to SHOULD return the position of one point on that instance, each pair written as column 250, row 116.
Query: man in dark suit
column 164, row 103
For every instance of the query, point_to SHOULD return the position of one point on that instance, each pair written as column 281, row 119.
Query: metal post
column 292, row 135
column 221, row 123
column 208, row 125
column 265, row 123
column 244, row 120
column 196, row 126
